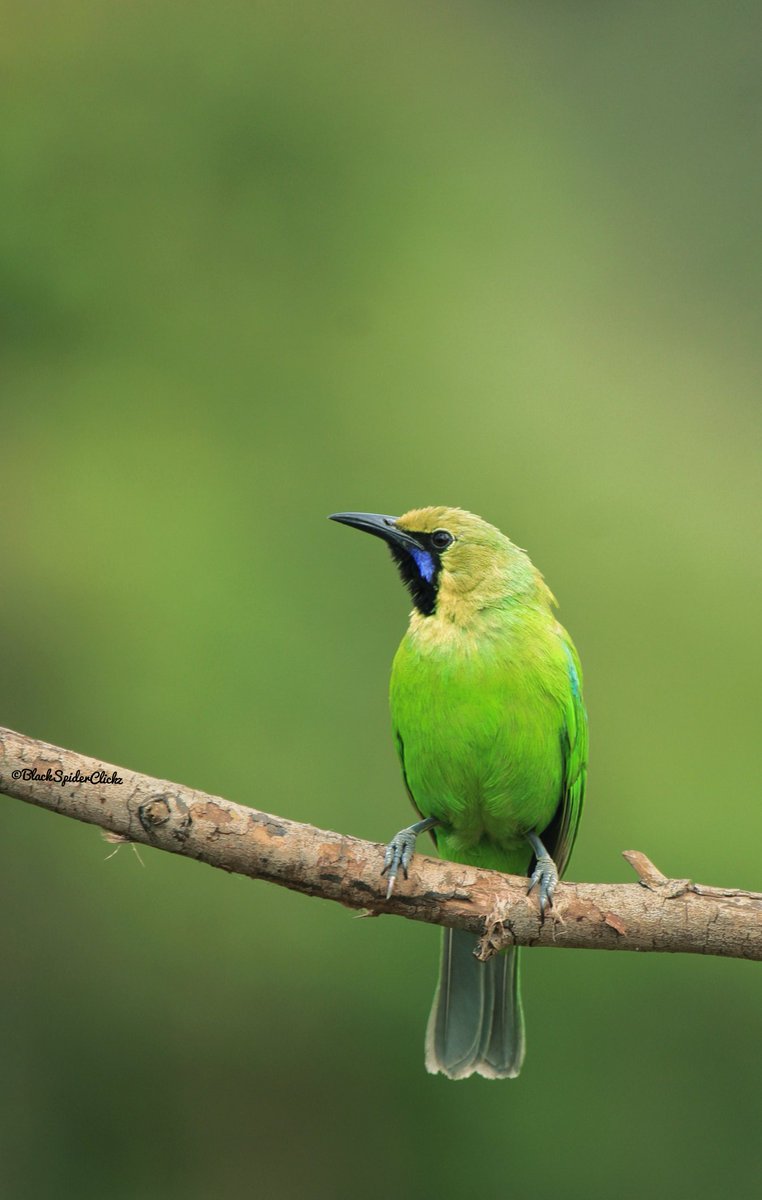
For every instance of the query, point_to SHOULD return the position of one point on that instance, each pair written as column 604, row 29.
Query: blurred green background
column 261, row 262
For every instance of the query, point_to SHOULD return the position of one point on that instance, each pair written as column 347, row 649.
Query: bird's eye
column 441, row 539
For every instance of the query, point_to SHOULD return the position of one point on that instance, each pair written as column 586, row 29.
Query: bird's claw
column 546, row 875
column 397, row 857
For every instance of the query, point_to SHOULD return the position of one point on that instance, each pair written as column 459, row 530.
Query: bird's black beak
column 379, row 525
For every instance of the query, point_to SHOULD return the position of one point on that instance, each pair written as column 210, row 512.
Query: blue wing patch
column 573, row 674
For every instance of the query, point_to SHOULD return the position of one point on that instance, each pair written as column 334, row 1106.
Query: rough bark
column 655, row 913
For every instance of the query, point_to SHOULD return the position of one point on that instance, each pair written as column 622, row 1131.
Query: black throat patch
column 420, row 569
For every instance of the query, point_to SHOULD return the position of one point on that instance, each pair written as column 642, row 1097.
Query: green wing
column 560, row 834
column 400, row 745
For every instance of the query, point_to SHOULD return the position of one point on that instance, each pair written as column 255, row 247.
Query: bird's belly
column 486, row 762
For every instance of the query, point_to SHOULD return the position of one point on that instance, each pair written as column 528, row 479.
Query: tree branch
column 655, row 914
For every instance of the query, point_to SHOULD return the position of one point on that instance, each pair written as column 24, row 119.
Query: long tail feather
column 476, row 1024
column 504, row 1053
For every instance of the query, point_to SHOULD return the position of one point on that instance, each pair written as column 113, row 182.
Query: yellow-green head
column 454, row 564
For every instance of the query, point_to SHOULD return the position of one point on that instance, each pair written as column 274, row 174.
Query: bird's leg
column 400, row 850
column 545, row 873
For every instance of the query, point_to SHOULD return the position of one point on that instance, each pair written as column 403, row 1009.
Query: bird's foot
column 546, row 875
column 400, row 851
column 397, row 857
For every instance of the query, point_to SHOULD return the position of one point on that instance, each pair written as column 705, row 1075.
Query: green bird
column 491, row 731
